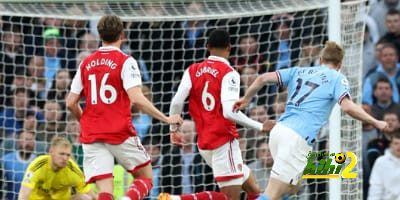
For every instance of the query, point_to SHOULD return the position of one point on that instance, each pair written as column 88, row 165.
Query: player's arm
column 72, row 101
column 229, row 94
column 131, row 79
column 24, row 192
column 176, row 107
column 269, row 77
column 178, row 100
column 357, row 112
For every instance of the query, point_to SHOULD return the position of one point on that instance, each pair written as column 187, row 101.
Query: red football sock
column 253, row 196
column 139, row 188
column 105, row 196
column 207, row 195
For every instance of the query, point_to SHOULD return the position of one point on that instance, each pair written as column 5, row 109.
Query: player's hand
column 383, row 126
column 240, row 104
column 176, row 138
column 268, row 125
column 175, row 120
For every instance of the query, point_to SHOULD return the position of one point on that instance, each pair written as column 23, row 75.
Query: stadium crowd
column 39, row 57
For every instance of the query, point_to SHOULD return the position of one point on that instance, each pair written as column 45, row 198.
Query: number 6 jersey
column 103, row 78
column 211, row 82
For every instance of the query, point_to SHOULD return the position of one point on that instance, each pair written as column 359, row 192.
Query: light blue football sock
column 263, row 197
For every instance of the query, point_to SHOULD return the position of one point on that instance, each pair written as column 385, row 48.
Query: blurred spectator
column 247, row 77
column 12, row 58
column 389, row 68
column 36, row 69
column 73, row 130
column 373, row 32
column 60, row 86
column 285, row 46
column 383, row 93
column 15, row 163
column 161, row 40
column 369, row 133
column 377, row 146
column 378, row 12
column 140, row 120
column 12, row 118
column 263, row 164
column 82, row 55
column 54, row 58
column 392, row 22
column 310, row 49
column 188, row 151
column 88, row 42
column 257, row 113
column 249, row 55
column 152, row 146
column 369, row 59
column 385, row 176
column 53, row 121
column 378, row 57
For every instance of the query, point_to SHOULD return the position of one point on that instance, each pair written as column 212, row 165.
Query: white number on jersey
column 207, row 96
column 103, row 88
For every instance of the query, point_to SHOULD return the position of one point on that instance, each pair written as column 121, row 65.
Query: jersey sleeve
column 76, row 85
column 79, row 179
column 130, row 74
column 32, row 173
column 285, row 75
column 341, row 89
column 230, row 86
column 178, row 100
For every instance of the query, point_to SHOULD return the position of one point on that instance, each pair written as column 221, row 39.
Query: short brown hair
column 332, row 53
column 110, row 27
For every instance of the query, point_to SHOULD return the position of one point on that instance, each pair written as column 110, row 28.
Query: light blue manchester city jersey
column 312, row 93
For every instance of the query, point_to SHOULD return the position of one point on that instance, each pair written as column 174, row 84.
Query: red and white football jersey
column 103, row 78
column 205, row 105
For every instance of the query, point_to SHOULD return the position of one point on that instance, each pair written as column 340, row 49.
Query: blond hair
column 60, row 141
column 332, row 53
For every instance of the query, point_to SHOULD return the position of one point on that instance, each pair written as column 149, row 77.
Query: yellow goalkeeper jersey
column 49, row 184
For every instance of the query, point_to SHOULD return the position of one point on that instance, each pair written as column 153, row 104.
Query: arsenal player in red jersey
column 213, row 87
column 110, row 81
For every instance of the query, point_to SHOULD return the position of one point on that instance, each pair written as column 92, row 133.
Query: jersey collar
column 217, row 58
column 109, row 48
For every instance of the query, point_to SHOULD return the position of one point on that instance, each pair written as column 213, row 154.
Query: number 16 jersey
column 212, row 81
column 103, row 78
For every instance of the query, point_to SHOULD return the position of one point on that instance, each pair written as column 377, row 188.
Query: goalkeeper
column 52, row 176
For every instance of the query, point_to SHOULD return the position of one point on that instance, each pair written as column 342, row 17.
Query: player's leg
column 230, row 172
column 134, row 158
column 81, row 197
column 289, row 162
column 250, row 185
column 98, row 166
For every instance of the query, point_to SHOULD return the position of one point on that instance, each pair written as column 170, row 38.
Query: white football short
column 98, row 162
column 227, row 163
column 289, row 151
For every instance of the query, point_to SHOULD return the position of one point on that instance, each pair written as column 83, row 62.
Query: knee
column 293, row 190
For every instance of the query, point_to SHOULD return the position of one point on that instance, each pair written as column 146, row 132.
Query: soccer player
column 110, row 81
column 52, row 176
column 312, row 93
column 213, row 87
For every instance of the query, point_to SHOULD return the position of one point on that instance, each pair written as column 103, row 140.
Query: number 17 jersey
column 103, row 78
column 312, row 93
